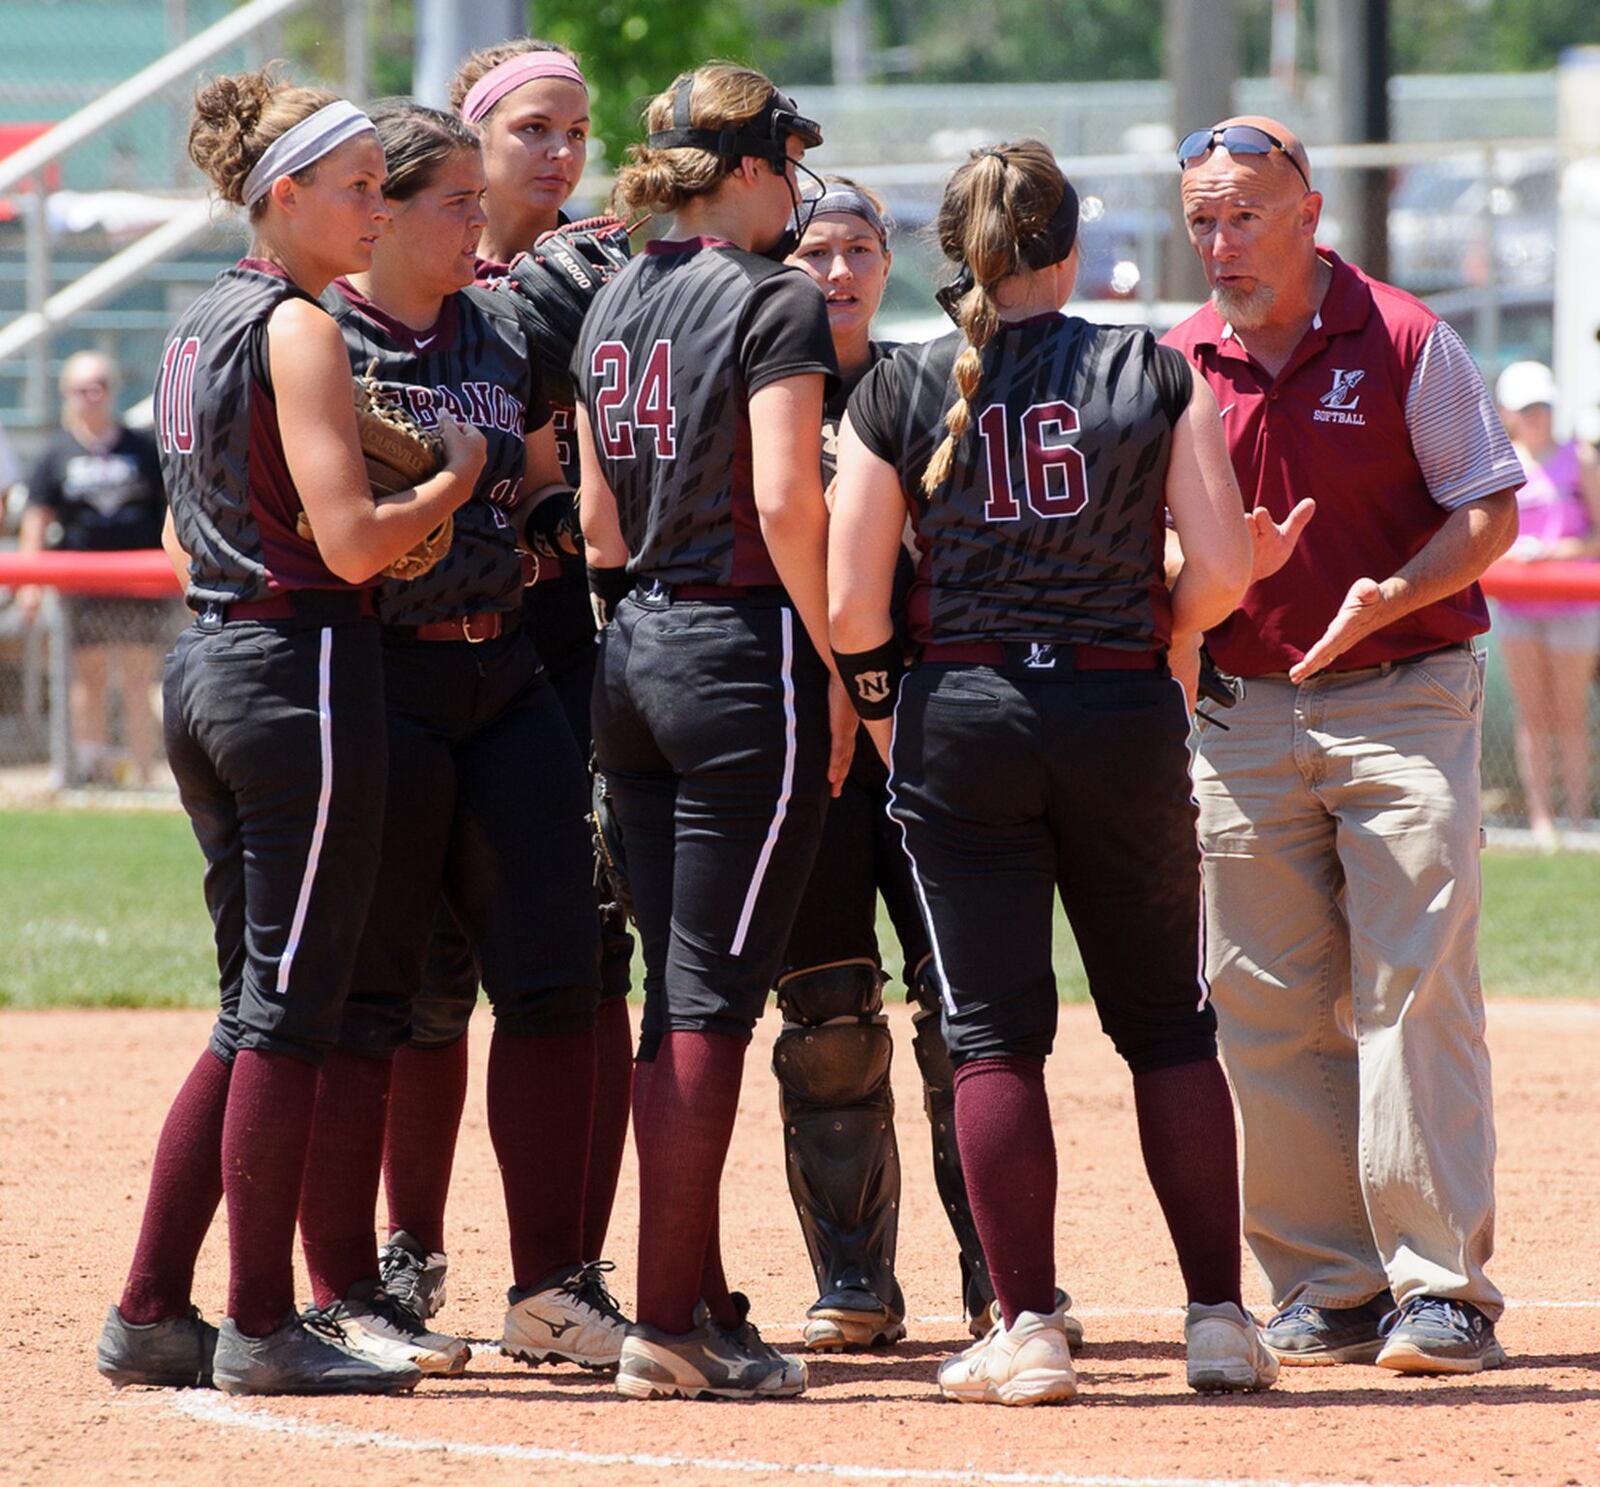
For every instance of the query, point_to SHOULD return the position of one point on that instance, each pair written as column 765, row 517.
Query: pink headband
column 505, row 77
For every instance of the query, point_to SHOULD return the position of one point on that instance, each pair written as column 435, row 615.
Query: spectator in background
column 1550, row 648
column 99, row 482
column 8, row 474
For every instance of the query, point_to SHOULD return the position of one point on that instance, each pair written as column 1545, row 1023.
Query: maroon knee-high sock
column 265, row 1135
column 1008, row 1154
column 1186, row 1134
column 427, row 1093
column 608, row 1133
column 693, row 1098
column 713, row 1279
column 342, row 1166
column 185, row 1188
column 541, row 1103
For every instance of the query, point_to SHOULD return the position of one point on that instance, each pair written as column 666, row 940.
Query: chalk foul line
column 227, row 1413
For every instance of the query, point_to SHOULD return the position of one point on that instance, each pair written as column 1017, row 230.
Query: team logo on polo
column 1339, row 401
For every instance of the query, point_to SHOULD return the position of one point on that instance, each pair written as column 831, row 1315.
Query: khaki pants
column 1340, row 821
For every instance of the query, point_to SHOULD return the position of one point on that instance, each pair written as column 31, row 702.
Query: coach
column 1339, row 809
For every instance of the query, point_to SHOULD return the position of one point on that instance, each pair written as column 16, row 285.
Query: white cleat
column 1029, row 1363
column 1225, row 1350
column 571, row 1319
column 377, row 1326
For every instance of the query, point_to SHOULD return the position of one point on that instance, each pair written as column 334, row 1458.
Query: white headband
column 305, row 144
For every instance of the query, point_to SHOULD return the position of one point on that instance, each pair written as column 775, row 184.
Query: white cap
column 1524, row 384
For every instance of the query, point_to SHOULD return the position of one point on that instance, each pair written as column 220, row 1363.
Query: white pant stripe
column 325, row 736
column 916, row 880
column 790, row 746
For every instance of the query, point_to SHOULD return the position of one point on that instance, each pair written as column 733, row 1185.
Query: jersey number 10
column 651, row 411
column 175, row 396
column 1055, row 475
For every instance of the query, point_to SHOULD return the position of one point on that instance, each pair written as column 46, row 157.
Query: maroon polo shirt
column 1381, row 417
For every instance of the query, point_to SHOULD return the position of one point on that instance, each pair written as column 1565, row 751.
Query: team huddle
column 649, row 593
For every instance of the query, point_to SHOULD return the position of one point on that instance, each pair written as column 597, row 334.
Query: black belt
column 654, row 591
column 1040, row 658
column 309, row 607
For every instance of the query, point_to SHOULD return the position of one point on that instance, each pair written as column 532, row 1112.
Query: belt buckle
column 1041, row 656
column 469, row 629
column 530, row 566
column 210, row 617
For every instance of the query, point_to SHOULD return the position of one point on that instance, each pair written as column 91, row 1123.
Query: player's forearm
column 795, row 530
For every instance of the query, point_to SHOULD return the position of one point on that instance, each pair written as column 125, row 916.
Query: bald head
column 1292, row 146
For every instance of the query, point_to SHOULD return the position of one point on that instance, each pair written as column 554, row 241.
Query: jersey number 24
column 624, row 408
column 1055, row 477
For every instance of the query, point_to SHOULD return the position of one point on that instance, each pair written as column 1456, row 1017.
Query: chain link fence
column 80, row 688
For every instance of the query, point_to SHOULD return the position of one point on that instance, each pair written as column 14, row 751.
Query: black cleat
column 305, row 1355
column 174, row 1353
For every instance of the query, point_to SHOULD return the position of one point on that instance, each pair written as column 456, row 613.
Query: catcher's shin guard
column 939, row 1100
column 832, row 1062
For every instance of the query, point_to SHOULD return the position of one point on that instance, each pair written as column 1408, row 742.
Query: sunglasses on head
column 1236, row 139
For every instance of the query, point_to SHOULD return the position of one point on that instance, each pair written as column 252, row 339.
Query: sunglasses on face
column 83, row 389
column 1236, row 139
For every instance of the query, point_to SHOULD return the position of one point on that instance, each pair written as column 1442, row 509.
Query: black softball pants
column 487, row 804
column 275, row 733
column 1013, row 789
column 711, row 725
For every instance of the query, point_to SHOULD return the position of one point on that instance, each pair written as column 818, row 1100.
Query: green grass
column 103, row 909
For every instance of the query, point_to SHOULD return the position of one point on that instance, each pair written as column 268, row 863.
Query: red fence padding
column 1543, row 583
column 143, row 574
column 146, row 574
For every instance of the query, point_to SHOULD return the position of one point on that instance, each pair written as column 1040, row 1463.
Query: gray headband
column 306, row 143
column 850, row 201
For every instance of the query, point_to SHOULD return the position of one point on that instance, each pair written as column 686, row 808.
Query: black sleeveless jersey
column 233, row 502
column 473, row 361
column 1051, row 526
column 670, row 354
column 839, row 402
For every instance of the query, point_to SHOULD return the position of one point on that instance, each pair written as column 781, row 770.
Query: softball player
column 1039, row 745
column 274, row 726
column 487, row 799
column 701, row 372
column 832, row 1057
column 529, row 105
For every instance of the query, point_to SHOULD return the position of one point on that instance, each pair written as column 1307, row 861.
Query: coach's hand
column 1364, row 610
column 842, row 725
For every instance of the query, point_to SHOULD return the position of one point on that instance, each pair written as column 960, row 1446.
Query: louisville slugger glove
column 551, row 288
column 398, row 455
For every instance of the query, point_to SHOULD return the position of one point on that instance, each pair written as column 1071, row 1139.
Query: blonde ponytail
column 1001, row 196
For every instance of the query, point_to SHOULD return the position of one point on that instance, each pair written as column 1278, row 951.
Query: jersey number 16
column 622, row 407
column 1055, row 476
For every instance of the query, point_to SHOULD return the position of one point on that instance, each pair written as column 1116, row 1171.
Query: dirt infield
column 82, row 1095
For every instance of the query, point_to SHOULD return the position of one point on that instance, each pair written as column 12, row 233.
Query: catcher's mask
column 1053, row 242
column 765, row 136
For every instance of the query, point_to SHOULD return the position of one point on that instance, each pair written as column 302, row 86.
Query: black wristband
column 608, row 587
column 872, row 678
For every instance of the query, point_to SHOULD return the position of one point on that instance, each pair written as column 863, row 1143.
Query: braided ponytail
column 999, row 198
